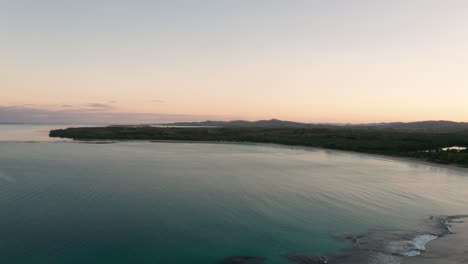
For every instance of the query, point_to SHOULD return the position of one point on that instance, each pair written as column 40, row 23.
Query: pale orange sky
column 310, row 61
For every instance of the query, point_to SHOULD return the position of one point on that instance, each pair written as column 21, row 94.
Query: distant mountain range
column 430, row 126
column 273, row 123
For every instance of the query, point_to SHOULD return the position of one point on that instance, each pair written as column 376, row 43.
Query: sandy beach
column 448, row 249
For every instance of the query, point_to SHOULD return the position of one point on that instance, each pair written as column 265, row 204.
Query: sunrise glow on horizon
column 309, row 61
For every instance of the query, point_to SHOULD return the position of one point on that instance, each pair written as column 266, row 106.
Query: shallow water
column 140, row 202
column 31, row 132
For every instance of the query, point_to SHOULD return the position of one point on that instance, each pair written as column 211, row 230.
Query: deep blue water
column 141, row 202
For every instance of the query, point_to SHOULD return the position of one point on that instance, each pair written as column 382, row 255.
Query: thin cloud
column 98, row 105
column 158, row 101
column 21, row 114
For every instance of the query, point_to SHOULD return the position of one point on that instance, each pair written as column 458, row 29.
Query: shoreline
column 428, row 241
column 364, row 154
column 446, row 249
column 396, row 143
column 370, row 155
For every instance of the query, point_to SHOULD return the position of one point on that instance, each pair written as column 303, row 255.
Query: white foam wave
column 421, row 241
column 410, row 248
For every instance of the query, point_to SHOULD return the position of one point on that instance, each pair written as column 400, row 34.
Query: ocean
column 197, row 203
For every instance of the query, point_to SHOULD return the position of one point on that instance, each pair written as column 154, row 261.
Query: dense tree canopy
column 417, row 144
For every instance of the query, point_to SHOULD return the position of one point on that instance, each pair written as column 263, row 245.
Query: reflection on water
column 138, row 202
column 29, row 132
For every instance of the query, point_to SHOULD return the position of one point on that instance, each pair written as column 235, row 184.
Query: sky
column 348, row 61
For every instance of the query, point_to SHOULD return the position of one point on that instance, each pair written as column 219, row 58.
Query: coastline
column 364, row 154
column 370, row 155
column 447, row 249
column 432, row 242
column 395, row 143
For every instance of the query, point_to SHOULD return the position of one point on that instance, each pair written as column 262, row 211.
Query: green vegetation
column 421, row 126
column 375, row 140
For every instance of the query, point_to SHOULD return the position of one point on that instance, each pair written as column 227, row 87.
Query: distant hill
column 420, row 126
column 434, row 126
column 272, row 123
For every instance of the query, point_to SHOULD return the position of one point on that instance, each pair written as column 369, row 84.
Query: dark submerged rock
column 306, row 259
column 243, row 260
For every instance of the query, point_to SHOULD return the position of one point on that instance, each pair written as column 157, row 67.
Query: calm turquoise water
column 139, row 202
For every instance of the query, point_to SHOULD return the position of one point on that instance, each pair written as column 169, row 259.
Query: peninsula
column 440, row 142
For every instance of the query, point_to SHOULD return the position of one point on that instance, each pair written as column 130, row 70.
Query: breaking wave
column 383, row 247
